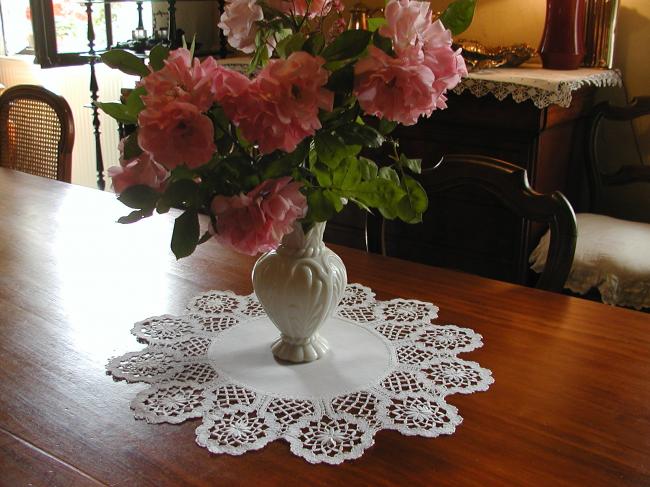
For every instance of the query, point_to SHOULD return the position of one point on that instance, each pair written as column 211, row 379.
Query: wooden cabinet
column 468, row 230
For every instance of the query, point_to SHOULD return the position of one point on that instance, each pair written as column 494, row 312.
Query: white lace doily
column 544, row 87
column 389, row 368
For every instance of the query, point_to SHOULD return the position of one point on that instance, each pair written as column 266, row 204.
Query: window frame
column 44, row 29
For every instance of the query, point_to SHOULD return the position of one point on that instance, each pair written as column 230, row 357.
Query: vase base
column 300, row 351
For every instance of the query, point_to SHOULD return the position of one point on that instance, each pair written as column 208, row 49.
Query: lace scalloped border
column 183, row 384
column 540, row 97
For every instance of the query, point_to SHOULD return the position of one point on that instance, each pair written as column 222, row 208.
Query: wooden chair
column 36, row 132
column 612, row 253
column 509, row 184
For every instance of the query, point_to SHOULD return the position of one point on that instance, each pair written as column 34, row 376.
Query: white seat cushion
column 612, row 255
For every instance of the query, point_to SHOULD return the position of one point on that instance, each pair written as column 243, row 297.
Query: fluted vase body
column 300, row 284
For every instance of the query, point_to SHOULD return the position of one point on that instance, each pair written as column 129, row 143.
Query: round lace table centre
column 389, row 368
column 358, row 358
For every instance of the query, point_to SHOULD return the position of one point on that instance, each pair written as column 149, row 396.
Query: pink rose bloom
column 407, row 22
column 313, row 8
column 238, row 23
column 449, row 68
column 398, row 89
column 181, row 79
column 257, row 221
column 139, row 170
column 280, row 107
column 229, row 86
column 448, row 65
column 177, row 134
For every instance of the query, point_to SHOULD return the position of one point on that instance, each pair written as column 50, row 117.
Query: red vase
column 562, row 44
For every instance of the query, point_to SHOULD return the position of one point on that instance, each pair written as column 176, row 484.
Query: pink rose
column 229, row 86
column 407, row 22
column 398, row 89
column 177, row 134
column 280, row 107
column 238, row 23
column 448, row 65
column 181, row 79
column 256, row 222
column 139, row 170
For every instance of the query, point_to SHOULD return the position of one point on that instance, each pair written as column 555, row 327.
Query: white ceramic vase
column 300, row 284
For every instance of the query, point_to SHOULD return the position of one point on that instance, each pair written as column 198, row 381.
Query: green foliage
column 349, row 44
column 290, row 44
column 157, row 56
column 314, row 44
column 185, row 236
column 458, row 16
column 383, row 43
column 414, row 165
column 414, row 203
column 374, row 23
column 131, row 147
column 139, row 197
column 125, row 61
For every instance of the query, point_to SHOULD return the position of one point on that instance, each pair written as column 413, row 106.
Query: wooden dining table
column 570, row 404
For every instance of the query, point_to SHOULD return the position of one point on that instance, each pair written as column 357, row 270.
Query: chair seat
column 612, row 255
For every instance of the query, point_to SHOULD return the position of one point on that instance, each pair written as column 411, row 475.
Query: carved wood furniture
column 509, row 184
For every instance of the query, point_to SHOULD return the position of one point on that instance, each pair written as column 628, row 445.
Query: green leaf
column 339, row 116
column 458, row 16
column 415, row 165
column 414, row 203
column 341, row 80
column 349, row 44
column 314, row 44
column 363, row 135
column 118, row 111
column 206, row 236
column 330, row 148
column 131, row 147
column 389, row 173
column 186, row 234
column 275, row 167
column 335, row 199
column 140, row 197
column 378, row 193
column 134, row 216
column 321, row 207
column 322, row 173
column 182, row 193
column 290, row 44
column 368, row 168
column 386, row 126
column 125, row 61
column 383, row 43
column 374, row 23
column 347, row 175
column 134, row 103
column 157, row 56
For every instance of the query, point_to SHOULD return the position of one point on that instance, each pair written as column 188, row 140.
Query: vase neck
column 298, row 242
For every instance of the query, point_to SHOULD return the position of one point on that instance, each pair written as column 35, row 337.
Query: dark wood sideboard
column 464, row 228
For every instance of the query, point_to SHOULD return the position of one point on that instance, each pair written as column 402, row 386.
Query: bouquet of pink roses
column 257, row 152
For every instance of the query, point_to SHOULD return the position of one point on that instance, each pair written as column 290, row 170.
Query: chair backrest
column 36, row 132
column 509, row 184
column 628, row 171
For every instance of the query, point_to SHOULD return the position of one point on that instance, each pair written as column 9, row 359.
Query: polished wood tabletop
column 570, row 404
